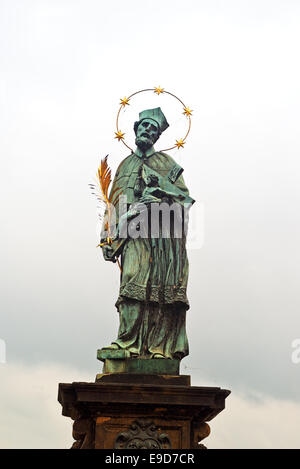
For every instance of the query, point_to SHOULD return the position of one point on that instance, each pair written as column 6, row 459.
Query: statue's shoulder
column 165, row 156
column 126, row 165
column 162, row 162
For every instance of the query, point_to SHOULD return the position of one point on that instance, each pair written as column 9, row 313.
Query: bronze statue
column 152, row 300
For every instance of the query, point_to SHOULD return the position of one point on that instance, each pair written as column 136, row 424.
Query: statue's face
column 147, row 133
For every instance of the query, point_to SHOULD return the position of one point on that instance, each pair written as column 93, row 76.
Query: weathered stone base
column 142, row 366
column 119, row 361
column 129, row 411
column 138, row 378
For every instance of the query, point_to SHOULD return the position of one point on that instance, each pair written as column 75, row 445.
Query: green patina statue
column 152, row 300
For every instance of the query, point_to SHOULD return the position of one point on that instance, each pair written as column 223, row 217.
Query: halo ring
column 158, row 90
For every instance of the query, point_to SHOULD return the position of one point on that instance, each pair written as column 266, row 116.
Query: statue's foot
column 158, row 355
column 112, row 346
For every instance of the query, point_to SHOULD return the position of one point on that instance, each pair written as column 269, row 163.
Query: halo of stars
column 119, row 135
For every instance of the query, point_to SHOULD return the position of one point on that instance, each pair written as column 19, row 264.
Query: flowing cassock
column 152, row 299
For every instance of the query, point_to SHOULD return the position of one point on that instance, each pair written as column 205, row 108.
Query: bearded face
column 147, row 133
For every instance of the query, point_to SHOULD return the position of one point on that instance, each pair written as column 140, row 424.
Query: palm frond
column 104, row 176
column 101, row 191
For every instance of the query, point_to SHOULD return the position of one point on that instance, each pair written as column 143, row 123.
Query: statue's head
column 150, row 126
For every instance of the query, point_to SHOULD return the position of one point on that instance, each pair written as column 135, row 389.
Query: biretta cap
column 157, row 115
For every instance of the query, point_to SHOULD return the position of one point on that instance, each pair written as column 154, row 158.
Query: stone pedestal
column 139, row 410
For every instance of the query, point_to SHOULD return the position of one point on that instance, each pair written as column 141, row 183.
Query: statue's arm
column 181, row 185
column 108, row 249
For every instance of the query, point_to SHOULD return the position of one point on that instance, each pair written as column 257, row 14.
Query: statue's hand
column 107, row 251
column 148, row 199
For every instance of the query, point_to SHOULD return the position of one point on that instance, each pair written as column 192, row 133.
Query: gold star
column 119, row 135
column 158, row 90
column 179, row 143
column 187, row 111
column 124, row 101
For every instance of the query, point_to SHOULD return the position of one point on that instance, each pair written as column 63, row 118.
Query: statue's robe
column 152, row 299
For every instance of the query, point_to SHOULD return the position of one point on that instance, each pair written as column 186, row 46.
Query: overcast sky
column 64, row 66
